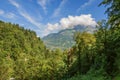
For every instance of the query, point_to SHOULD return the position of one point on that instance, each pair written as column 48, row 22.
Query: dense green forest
column 23, row 55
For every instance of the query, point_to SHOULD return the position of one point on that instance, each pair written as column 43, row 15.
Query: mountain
column 64, row 38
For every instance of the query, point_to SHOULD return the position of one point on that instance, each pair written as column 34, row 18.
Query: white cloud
column 85, row 5
column 43, row 3
column 1, row 12
column 14, row 3
column 30, row 19
column 57, row 11
column 23, row 13
column 70, row 22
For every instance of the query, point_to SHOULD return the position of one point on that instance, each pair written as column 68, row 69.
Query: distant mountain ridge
column 64, row 38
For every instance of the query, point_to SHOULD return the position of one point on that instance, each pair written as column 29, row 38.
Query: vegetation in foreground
column 23, row 56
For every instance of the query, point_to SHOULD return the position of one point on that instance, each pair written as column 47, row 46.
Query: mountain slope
column 64, row 38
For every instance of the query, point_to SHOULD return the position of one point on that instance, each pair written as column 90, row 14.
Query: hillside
column 64, row 38
column 23, row 56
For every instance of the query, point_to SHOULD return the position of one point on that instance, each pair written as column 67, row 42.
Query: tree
column 83, row 51
column 106, row 46
column 113, row 11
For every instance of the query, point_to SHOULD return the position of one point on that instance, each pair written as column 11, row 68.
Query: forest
column 95, row 56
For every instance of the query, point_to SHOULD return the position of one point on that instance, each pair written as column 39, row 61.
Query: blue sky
column 47, row 16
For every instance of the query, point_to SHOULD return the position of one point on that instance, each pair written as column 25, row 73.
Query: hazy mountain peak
column 64, row 38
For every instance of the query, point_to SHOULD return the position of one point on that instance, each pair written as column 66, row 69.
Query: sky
column 50, row 16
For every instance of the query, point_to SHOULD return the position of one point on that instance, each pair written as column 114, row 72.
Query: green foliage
column 113, row 11
column 91, row 75
column 100, row 60
column 96, row 56
column 23, row 56
column 117, row 77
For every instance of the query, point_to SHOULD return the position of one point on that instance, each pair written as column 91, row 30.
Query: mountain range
column 64, row 38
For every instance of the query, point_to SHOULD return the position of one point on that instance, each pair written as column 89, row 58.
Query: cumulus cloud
column 70, row 22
